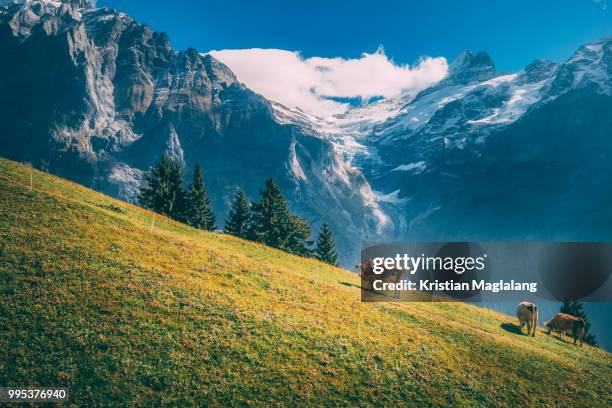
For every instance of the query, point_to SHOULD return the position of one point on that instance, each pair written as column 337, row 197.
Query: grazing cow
column 527, row 314
column 563, row 323
column 368, row 276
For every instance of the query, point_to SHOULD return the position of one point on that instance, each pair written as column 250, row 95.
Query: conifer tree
column 270, row 216
column 239, row 218
column 577, row 309
column 326, row 246
column 199, row 212
column 272, row 223
column 298, row 235
column 163, row 191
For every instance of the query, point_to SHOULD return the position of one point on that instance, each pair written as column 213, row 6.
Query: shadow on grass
column 368, row 292
column 565, row 339
column 512, row 328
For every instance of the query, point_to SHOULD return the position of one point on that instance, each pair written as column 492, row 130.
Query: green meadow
column 95, row 297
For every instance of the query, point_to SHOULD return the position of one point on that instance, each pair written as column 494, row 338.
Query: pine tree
column 164, row 192
column 270, row 216
column 326, row 246
column 272, row 223
column 239, row 218
column 199, row 212
column 298, row 235
column 577, row 309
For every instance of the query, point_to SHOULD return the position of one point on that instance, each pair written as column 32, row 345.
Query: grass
column 91, row 298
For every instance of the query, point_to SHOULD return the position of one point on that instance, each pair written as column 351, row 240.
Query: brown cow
column 366, row 269
column 527, row 314
column 563, row 323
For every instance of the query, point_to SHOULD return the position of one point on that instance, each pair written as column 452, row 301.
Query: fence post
column 152, row 222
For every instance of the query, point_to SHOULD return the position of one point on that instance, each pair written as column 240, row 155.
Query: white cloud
column 285, row 77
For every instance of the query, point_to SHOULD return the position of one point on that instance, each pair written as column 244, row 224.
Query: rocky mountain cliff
column 93, row 96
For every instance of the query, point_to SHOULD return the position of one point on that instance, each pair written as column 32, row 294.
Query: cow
column 527, row 314
column 564, row 323
column 366, row 269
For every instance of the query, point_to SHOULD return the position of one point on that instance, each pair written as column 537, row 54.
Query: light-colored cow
column 564, row 323
column 527, row 314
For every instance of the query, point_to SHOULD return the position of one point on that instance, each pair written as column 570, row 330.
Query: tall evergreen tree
column 270, row 216
column 272, row 223
column 199, row 212
column 577, row 309
column 164, row 192
column 239, row 218
column 326, row 246
column 298, row 236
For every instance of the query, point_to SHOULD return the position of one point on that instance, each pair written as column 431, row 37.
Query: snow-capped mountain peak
column 591, row 65
column 468, row 67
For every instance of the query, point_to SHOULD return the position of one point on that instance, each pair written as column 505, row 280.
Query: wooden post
column 152, row 222
column 31, row 184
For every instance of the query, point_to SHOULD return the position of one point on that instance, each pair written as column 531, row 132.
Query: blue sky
column 513, row 32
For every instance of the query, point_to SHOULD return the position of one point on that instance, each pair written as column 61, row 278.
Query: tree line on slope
column 267, row 221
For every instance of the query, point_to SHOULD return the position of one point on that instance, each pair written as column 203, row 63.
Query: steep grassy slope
column 92, row 298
